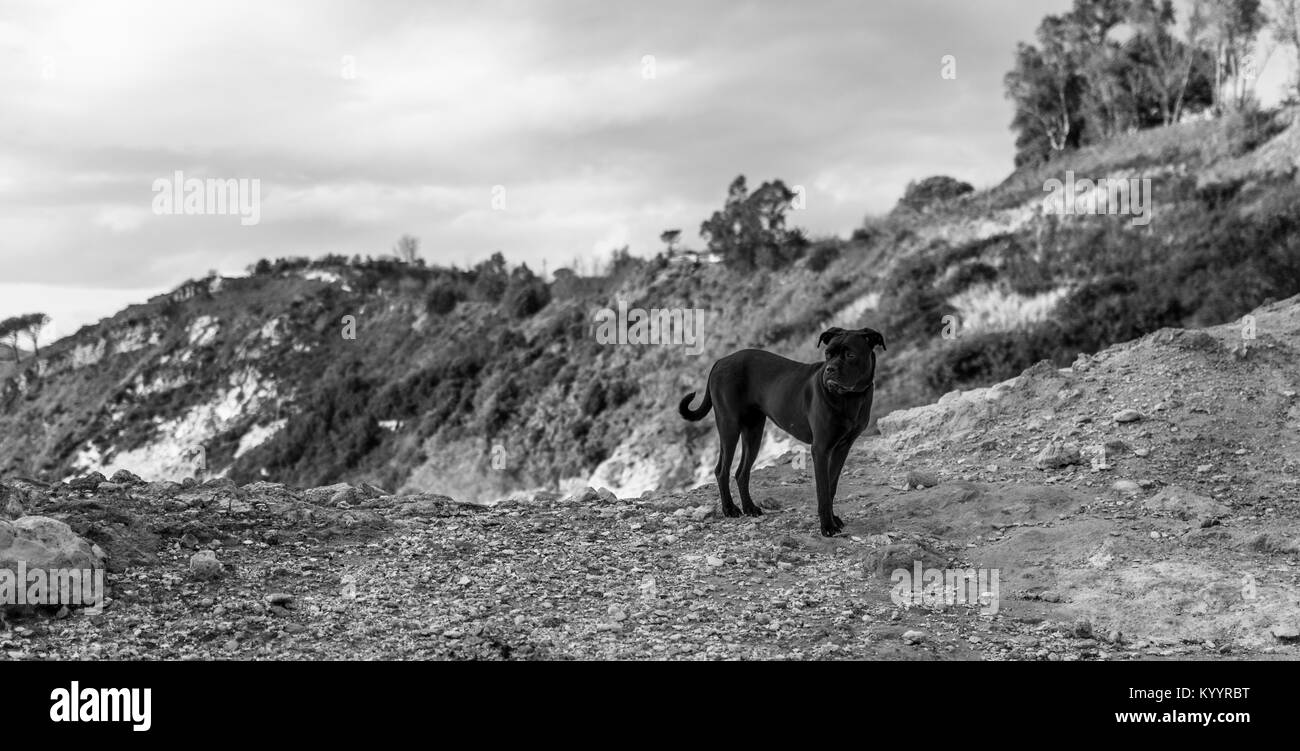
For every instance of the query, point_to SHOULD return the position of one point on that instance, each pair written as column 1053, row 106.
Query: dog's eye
column 850, row 356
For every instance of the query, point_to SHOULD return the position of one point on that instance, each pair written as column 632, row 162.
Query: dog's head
column 850, row 359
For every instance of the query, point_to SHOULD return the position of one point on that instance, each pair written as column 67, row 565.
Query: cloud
column 365, row 121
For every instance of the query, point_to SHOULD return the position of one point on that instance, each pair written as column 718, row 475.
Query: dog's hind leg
column 751, row 437
column 728, row 434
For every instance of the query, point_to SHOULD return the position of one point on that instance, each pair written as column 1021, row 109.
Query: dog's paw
column 752, row 510
column 730, row 510
column 832, row 526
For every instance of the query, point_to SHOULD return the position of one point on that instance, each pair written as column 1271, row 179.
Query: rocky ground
column 1140, row 505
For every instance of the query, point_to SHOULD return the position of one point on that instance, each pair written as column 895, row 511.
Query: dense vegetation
column 1108, row 67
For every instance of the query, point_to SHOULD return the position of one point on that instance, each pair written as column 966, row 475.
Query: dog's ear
column 875, row 337
column 828, row 335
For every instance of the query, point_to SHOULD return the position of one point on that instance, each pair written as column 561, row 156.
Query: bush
column 979, row 359
column 822, row 256
column 443, row 298
column 490, row 279
column 621, row 391
column 594, row 401
column 1247, row 129
column 928, row 193
column 525, row 299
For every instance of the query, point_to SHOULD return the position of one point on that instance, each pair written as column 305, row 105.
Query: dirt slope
column 1181, row 524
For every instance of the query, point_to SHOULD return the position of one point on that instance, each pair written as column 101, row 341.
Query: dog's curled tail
column 695, row 415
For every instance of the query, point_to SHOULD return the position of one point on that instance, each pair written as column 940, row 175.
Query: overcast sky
column 366, row 120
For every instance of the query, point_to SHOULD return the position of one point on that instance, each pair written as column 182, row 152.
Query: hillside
column 477, row 384
column 7, row 364
column 1181, row 539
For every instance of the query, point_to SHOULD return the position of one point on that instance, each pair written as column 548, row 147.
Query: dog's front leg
column 838, row 455
column 830, row 523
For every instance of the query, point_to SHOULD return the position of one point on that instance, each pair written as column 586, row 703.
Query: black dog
column 826, row 404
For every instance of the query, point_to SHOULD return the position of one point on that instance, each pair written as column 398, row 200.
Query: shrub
column 524, row 299
column 930, row 192
column 822, row 255
column 443, row 298
column 594, row 402
column 1247, row 129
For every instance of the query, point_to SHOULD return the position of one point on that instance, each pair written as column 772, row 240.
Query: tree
column 621, row 261
column 1079, row 85
column 9, row 330
column 670, row 238
column 1047, row 90
column 525, row 294
column 32, row 324
column 490, row 278
column 1172, row 76
column 750, row 231
column 1231, row 26
column 1286, row 30
column 407, row 249
column 1085, row 44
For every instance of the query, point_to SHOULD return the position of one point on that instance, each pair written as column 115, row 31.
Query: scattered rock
column 587, row 495
column 332, row 495
column 10, row 505
column 87, row 483
column 125, row 477
column 44, row 543
column 1267, row 542
column 220, row 483
column 921, row 479
column 1056, row 455
column 205, row 566
column 1184, row 504
column 913, row 636
column 372, row 491
column 902, row 556
column 1126, row 415
column 1127, row 487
